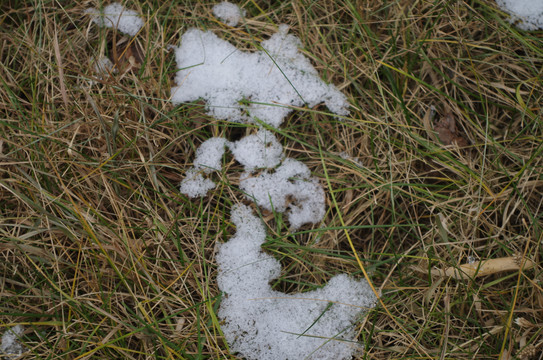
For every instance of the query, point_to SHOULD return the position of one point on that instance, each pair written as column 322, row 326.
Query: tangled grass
column 102, row 257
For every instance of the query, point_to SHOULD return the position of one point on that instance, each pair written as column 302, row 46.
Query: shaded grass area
column 102, row 257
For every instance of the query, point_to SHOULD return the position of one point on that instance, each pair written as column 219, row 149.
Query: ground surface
column 102, row 257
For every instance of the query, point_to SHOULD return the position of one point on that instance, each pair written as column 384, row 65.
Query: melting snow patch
column 527, row 14
column 285, row 184
column 290, row 180
column 261, row 150
column 208, row 159
column 263, row 324
column 195, row 184
column 228, row 13
column 238, row 86
column 103, row 66
column 116, row 16
column 10, row 342
column 209, row 154
column 241, row 86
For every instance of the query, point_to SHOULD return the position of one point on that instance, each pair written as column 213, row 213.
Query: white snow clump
column 228, row 13
column 526, row 14
column 261, row 150
column 264, row 324
column 242, row 86
column 208, row 159
column 281, row 181
column 116, row 16
column 10, row 342
column 209, row 154
column 272, row 190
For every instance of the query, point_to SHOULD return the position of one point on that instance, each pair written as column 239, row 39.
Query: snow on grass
column 208, row 159
column 116, row 16
column 260, row 323
column 285, row 184
column 291, row 180
column 195, row 184
column 241, row 86
column 209, row 154
column 526, row 14
column 228, row 13
column 11, row 347
column 261, row 150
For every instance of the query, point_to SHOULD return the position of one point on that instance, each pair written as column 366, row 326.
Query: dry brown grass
column 102, row 257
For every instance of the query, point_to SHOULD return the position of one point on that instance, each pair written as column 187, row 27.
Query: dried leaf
column 63, row 92
column 485, row 267
column 523, row 323
column 448, row 133
column 427, row 121
column 127, row 55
